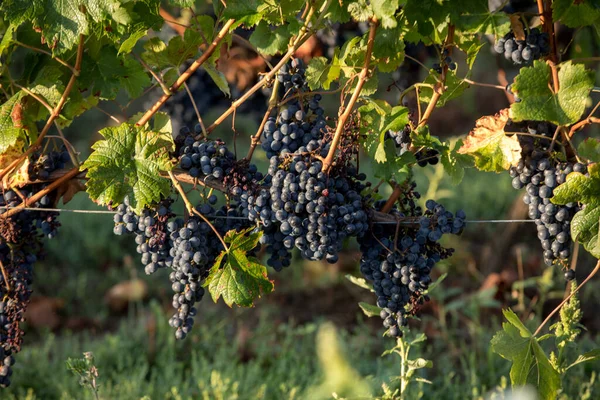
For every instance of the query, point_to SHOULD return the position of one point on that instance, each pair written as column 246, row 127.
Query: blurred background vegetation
column 309, row 339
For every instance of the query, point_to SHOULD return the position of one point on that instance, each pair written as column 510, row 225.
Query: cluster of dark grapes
column 447, row 61
column 292, row 78
column 20, row 247
column 399, row 259
column 194, row 250
column 150, row 230
column 202, row 158
column 296, row 130
column 299, row 205
column 535, row 45
column 306, row 209
column 403, row 142
column 540, row 173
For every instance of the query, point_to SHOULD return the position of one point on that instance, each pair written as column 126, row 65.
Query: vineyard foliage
column 60, row 59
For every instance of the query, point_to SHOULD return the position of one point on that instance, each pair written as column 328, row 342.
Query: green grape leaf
column 128, row 162
column 7, row 39
column 159, row 55
column 454, row 87
column 235, row 276
column 240, row 280
column 271, row 41
column 60, row 21
column 470, row 45
column 484, row 22
column 585, row 225
column 321, row 74
column 385, row 11
column 76, row 106
column 369, row 309
column 360, row 10
column 110, row 73
column 183, row 3
column 337, row 12
column 455, row 163
column 129, row 43
column 489, row 145
column 589, row 149
column 135, row 79
column 388, row 49
column 218, row 78
column 245, row 240
column 162, row 123
column 11, row 128
column 246, row 13
column 360, row 282
column 575, row 13
column 539, row 103
column 530, row 365
column 591, row 355
column 107, row 10
column 377, row 117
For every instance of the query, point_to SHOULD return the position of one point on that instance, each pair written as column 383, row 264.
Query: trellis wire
column 470, row 221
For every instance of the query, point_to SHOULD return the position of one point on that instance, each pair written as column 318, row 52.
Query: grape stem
column 440, row 86
column 347, row 110
column 5, row 276
column 192, row 210
column 74, row 71
column 53, row 115
column 184, row 76
column 71, row 174
column 544, row 9
column 562, row 303
column 256, row 138
column 300, row 39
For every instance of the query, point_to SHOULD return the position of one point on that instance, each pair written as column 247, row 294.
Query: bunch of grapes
column 292, row 78
column 447, row 61
column 399, row 259
column 212, row 159
column 539, row 172
column 150, row 230
column 306, row 209
column 403, row 142
column 20, row 247
column 535, row 45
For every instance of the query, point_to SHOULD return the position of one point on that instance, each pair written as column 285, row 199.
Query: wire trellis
column 468, row 221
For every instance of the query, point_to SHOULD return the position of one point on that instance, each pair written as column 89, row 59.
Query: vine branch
column 562, row 303
column 300, row 39
column 53, row 115
column 48, row 189
column 184, row 76
column 362, row 77
column 192, row 210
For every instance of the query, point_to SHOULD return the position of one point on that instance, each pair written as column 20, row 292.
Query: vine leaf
column 273, row 41
column 586, row 223
column 128, row 162
column 590, row 149
column 454, row 88
column 591, row 355
column 388, row 49
column 369, row 309
column 11, row 126
column 489, row 145
column 109, row 73
column 160, row 55
column 378, row 117
column 575, row 13
column 455, row 163
column 530, row 365
column 235, row 276
column 20, row 174
column 540, row 103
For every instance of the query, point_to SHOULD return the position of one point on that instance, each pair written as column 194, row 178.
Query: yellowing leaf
column 489, row 145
